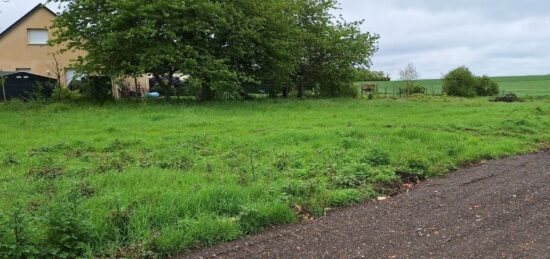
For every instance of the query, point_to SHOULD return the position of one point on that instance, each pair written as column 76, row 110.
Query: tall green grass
column 520, row 85
column 161, row 178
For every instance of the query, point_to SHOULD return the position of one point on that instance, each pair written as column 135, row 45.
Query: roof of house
column 36, row 8
column 6, row 73
column 22, row 73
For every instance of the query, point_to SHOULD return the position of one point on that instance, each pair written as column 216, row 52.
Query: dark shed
column 23, row 84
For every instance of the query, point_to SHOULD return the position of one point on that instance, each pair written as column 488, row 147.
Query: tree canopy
column 462, row 82
column 223, row 46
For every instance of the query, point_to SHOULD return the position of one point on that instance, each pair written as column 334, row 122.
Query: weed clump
column 66, row 234
column 256, row 218
column 10, row 160
column 47, row 172
column 377, row 157
column 413, row 170
column 344, row 197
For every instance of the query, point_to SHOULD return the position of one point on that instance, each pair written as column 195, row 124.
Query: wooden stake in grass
column 252, row 166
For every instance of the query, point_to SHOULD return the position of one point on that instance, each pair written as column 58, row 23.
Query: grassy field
column 520, row 85
column 135, row 179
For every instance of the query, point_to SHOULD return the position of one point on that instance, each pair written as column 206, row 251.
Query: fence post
column 2, row 81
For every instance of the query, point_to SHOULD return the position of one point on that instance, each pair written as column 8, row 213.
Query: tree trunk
column 114, row 89
column 285, row 92
column 137, row 88
column 170, row 84
column 301, row 91
column 206, row 93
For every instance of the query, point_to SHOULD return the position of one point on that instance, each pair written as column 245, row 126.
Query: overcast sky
column 494, row 37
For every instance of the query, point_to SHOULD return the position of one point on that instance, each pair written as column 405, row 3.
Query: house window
column 38, row 36
column 23, row 70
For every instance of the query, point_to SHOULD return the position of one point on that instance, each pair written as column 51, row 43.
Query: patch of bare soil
column 498, row 209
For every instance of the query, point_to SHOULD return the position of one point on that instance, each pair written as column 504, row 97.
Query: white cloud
column 12, row 10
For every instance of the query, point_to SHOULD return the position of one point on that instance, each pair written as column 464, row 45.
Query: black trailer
column 23, row 85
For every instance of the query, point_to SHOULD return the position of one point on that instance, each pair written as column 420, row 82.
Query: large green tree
column 332, row 50
column 221, row 45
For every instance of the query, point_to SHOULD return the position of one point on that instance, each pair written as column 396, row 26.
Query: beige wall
column 16, row 52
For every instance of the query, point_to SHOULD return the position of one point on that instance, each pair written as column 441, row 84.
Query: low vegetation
column 144, row 179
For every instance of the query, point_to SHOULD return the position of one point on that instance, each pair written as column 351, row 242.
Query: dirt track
column 499, row 209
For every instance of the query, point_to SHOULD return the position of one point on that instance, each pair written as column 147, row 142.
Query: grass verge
column 138, row 179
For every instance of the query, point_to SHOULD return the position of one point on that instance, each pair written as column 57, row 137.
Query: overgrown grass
column 143, row 178
column 520, row 85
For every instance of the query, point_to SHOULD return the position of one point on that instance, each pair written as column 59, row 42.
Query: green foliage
column 377, row 157
column 221, row 45
column 64, row 94
column 331, row 51
column 412, row 89
column 486, row 87
column 96, row 89
column 344, row 197
column 371, row 76
column 67, row 234
column 16, row 235
column 460, row 82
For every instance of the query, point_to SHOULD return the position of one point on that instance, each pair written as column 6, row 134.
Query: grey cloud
column 495, row 37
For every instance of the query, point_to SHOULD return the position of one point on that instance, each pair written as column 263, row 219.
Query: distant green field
column 520, row 85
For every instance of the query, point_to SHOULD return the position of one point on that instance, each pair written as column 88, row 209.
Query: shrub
column 64, row 94
column 94, row 88
column 460, row 82
column 412, row 89
column 348, row 90
column 486, row 87
column 508, row 98
column 41, row 91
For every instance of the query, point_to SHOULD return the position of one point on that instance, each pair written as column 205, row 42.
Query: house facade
column 24, row 48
